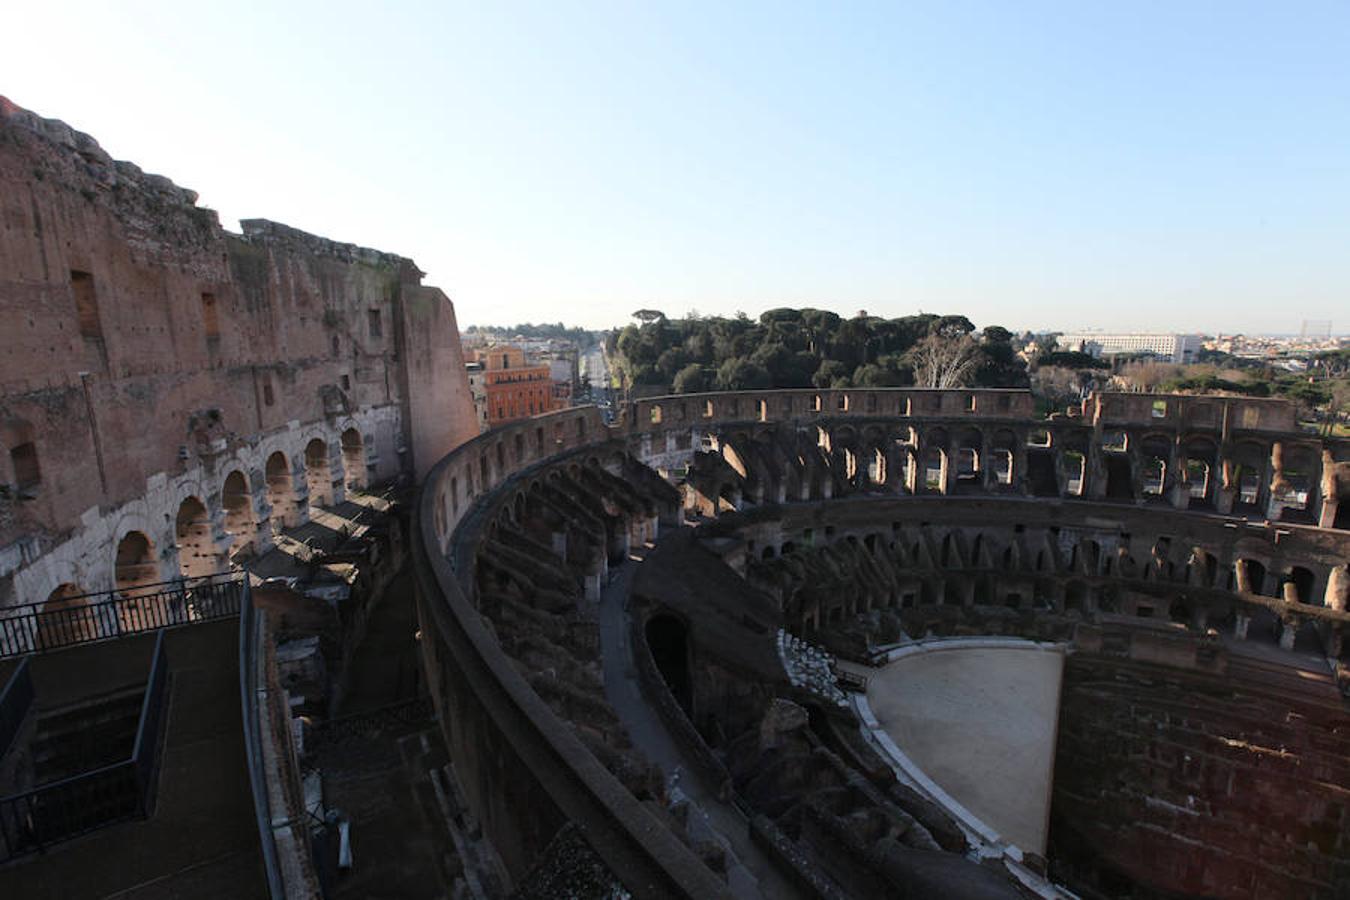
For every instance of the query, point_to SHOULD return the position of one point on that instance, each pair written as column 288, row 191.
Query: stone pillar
column 1226, row 494
column 1095, row 468
column 1240, row 625
column 1020, row 484
column 1337, row 595
column 1287, row 633
column 1277, row 483
column 1175, row 487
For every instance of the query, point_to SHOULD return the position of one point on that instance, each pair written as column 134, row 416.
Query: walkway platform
column 202, row 841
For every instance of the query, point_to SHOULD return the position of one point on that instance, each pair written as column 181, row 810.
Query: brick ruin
column 172, row 392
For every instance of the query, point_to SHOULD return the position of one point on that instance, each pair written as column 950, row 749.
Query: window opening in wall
column 1251, row 417
column 843, row 402
column 24, row 459
column 1155, row 472
column 210, row 317
column 376, row 326
column 970, row 402
column 1159, row 409
column 1003, row 466
column 707, row 409
column 86, row 304
column 1075, row 465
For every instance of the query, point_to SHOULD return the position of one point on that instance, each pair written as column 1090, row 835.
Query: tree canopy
column 798, row 348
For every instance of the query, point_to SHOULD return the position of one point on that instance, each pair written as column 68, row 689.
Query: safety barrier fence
column 49, row 813
column 67, row 621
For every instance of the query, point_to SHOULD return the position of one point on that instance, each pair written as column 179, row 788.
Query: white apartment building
column 1176, row 348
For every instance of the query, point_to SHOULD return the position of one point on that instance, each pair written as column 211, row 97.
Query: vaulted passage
column 66, row 618
column 197, row 553
column 240, row 523
column 668, row 640
column 318, row 477
column 353, row 459
column 136, row 566
column 281, row 492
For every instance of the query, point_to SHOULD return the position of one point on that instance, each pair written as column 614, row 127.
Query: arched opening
column 1075, row 597
column 1041, row 471
column 1264, row 627
column 945, row 555
column 1118, row 479
column 237, row 501
column 668, row 640
column 934, row 469
column 1180, row 611
column 193, row 535
column 1295, row 483
column 318, row 478
column 354, row 459
column 136, row 567
column 66, row 618
column 1308, row 638
column 1075, row 472
column 1155, row 474
column 1251, row 576
column 1298, row 587
column 281, row 492
column 876, row 469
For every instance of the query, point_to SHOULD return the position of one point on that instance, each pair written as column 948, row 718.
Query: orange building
column 515, row 389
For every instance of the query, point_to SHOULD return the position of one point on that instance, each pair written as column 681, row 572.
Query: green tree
column 692, row 379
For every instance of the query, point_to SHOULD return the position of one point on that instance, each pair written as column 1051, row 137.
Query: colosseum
column 839, row 643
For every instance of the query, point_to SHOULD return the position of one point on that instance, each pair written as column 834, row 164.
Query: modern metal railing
column 35, row 819
column 252, row 685
column 35, row 627
column 15, row 702
column 394, row 717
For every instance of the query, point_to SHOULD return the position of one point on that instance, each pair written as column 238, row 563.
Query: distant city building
column 478, row 391
column 515, row 387
column 1175, row 348
column 563, row 371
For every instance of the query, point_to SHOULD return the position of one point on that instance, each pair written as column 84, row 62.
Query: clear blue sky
column 1165, row 165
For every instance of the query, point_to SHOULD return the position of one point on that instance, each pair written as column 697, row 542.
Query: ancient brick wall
column 1194, row 783
column 146, row 354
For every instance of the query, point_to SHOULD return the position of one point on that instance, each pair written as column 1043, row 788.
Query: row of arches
column 203, row 547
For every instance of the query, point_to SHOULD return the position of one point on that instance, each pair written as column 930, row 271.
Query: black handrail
column 147, row 731
column 15, row 702
column 49, row 813
column 250, row 686
column 33, row 628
